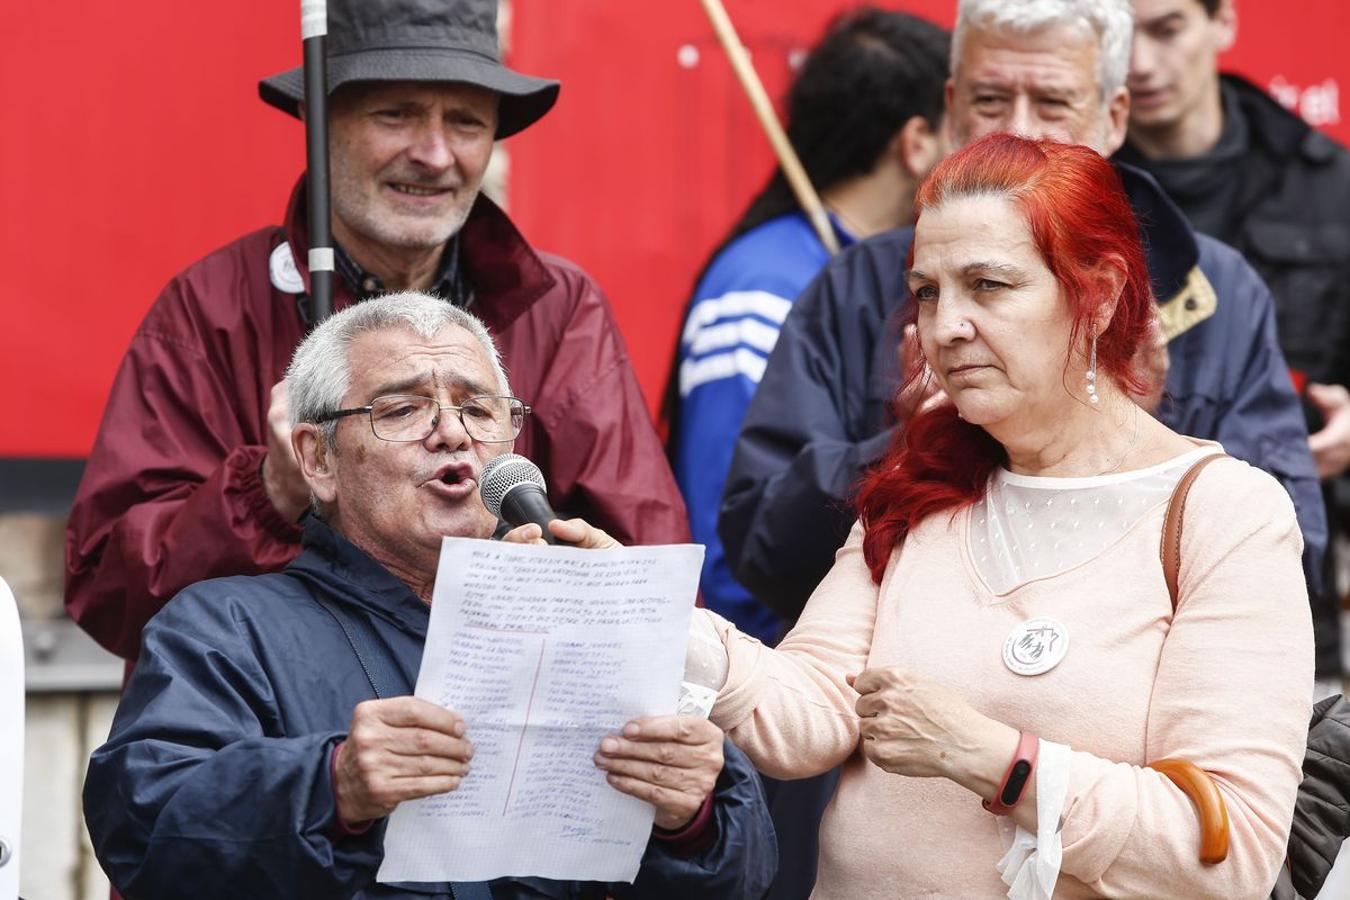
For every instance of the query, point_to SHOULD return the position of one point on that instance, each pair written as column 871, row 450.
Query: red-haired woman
column 999, row 616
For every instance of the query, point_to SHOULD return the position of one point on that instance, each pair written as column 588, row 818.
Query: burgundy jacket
column 171, row 493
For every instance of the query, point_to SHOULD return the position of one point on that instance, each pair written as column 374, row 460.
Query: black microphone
column 513, row 490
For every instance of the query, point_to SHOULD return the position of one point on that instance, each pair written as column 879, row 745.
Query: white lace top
column 1030, row 527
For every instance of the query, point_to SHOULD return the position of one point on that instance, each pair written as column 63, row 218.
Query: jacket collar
column 1280, row 132
column 1183, row 291
column 506, row 274
column 342, row 571
column 1169, row 241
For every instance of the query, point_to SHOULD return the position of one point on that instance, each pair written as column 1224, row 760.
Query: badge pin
column 285, row 276
column 1036, row 646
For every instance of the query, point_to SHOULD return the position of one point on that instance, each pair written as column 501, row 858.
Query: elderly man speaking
column 255, row 754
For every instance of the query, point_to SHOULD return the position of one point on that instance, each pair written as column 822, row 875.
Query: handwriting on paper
column 543, row 651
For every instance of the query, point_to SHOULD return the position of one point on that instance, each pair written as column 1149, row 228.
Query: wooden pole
column 759, row 101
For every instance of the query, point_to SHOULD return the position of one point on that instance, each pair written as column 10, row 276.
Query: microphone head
column 503, row 473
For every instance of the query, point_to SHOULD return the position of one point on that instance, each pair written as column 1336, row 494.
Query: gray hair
column 319, row 375
column 1111, row 22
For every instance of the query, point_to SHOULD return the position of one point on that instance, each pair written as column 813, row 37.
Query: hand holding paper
column 397, row 749
column 672, row 762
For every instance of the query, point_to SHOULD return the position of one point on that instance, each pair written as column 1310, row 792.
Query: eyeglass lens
column 411, row 418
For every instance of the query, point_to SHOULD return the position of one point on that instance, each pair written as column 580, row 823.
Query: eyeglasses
column 407, row 417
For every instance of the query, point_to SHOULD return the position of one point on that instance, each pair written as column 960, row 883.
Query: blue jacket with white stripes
column 824, row 411
column 730, row 328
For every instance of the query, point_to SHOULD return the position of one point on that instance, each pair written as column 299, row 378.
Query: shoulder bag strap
column 1171, row 536
column 366, row 645
column 1193, row 781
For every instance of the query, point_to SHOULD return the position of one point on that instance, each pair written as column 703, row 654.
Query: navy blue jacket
column 215, row 781
column 823, row 409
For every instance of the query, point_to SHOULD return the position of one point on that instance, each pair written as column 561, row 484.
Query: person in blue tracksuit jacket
column 864, row 114
column 239, row 762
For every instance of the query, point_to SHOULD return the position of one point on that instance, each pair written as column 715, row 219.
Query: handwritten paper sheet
column 543, row 651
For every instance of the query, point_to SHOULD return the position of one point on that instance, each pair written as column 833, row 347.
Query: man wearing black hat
column 192, row 474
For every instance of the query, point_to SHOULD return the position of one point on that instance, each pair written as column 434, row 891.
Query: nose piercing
column 963, row 325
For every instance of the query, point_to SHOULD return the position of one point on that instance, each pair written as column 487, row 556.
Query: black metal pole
column 313, row 31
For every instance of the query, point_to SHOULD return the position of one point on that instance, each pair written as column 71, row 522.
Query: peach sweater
column 1225, row 684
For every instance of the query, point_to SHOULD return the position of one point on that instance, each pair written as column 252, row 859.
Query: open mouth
column 457, row 475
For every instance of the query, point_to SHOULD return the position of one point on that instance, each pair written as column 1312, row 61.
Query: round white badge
column 1036, row 646
column 282, row 269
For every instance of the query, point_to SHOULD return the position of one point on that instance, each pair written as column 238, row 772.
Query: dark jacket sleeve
column 171, row 493
column 190, row 796
column 1322, row 810
column 1259, row 418
column 740, row 863
column 804, row 443
column 600, row 451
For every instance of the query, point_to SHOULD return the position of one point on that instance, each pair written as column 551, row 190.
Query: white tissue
column 1030, row 868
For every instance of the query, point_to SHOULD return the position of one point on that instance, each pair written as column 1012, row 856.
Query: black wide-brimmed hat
column 419, row 40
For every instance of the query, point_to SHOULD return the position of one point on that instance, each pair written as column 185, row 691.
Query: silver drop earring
column 1092, row 372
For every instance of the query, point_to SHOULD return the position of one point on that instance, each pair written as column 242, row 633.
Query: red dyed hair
column 1080, row 219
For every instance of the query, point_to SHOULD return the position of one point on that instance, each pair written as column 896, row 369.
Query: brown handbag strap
column 1193, row 781
column 1197, row 784
column 1171, row 536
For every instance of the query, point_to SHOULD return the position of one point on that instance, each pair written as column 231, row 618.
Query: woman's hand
column 915, row 726
column 577, row 532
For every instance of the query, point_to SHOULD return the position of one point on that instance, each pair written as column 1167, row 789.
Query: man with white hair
column 268, row 730
column 823, row 411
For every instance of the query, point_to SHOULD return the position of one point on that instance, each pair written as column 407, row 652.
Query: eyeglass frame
column 369, row 410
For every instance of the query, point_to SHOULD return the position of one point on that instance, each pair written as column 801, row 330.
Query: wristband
column 1015, row 779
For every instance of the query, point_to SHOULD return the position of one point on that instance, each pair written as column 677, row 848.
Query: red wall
column 136, row 143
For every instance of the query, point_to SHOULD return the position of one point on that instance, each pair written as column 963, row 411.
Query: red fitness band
column 1016, row 778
